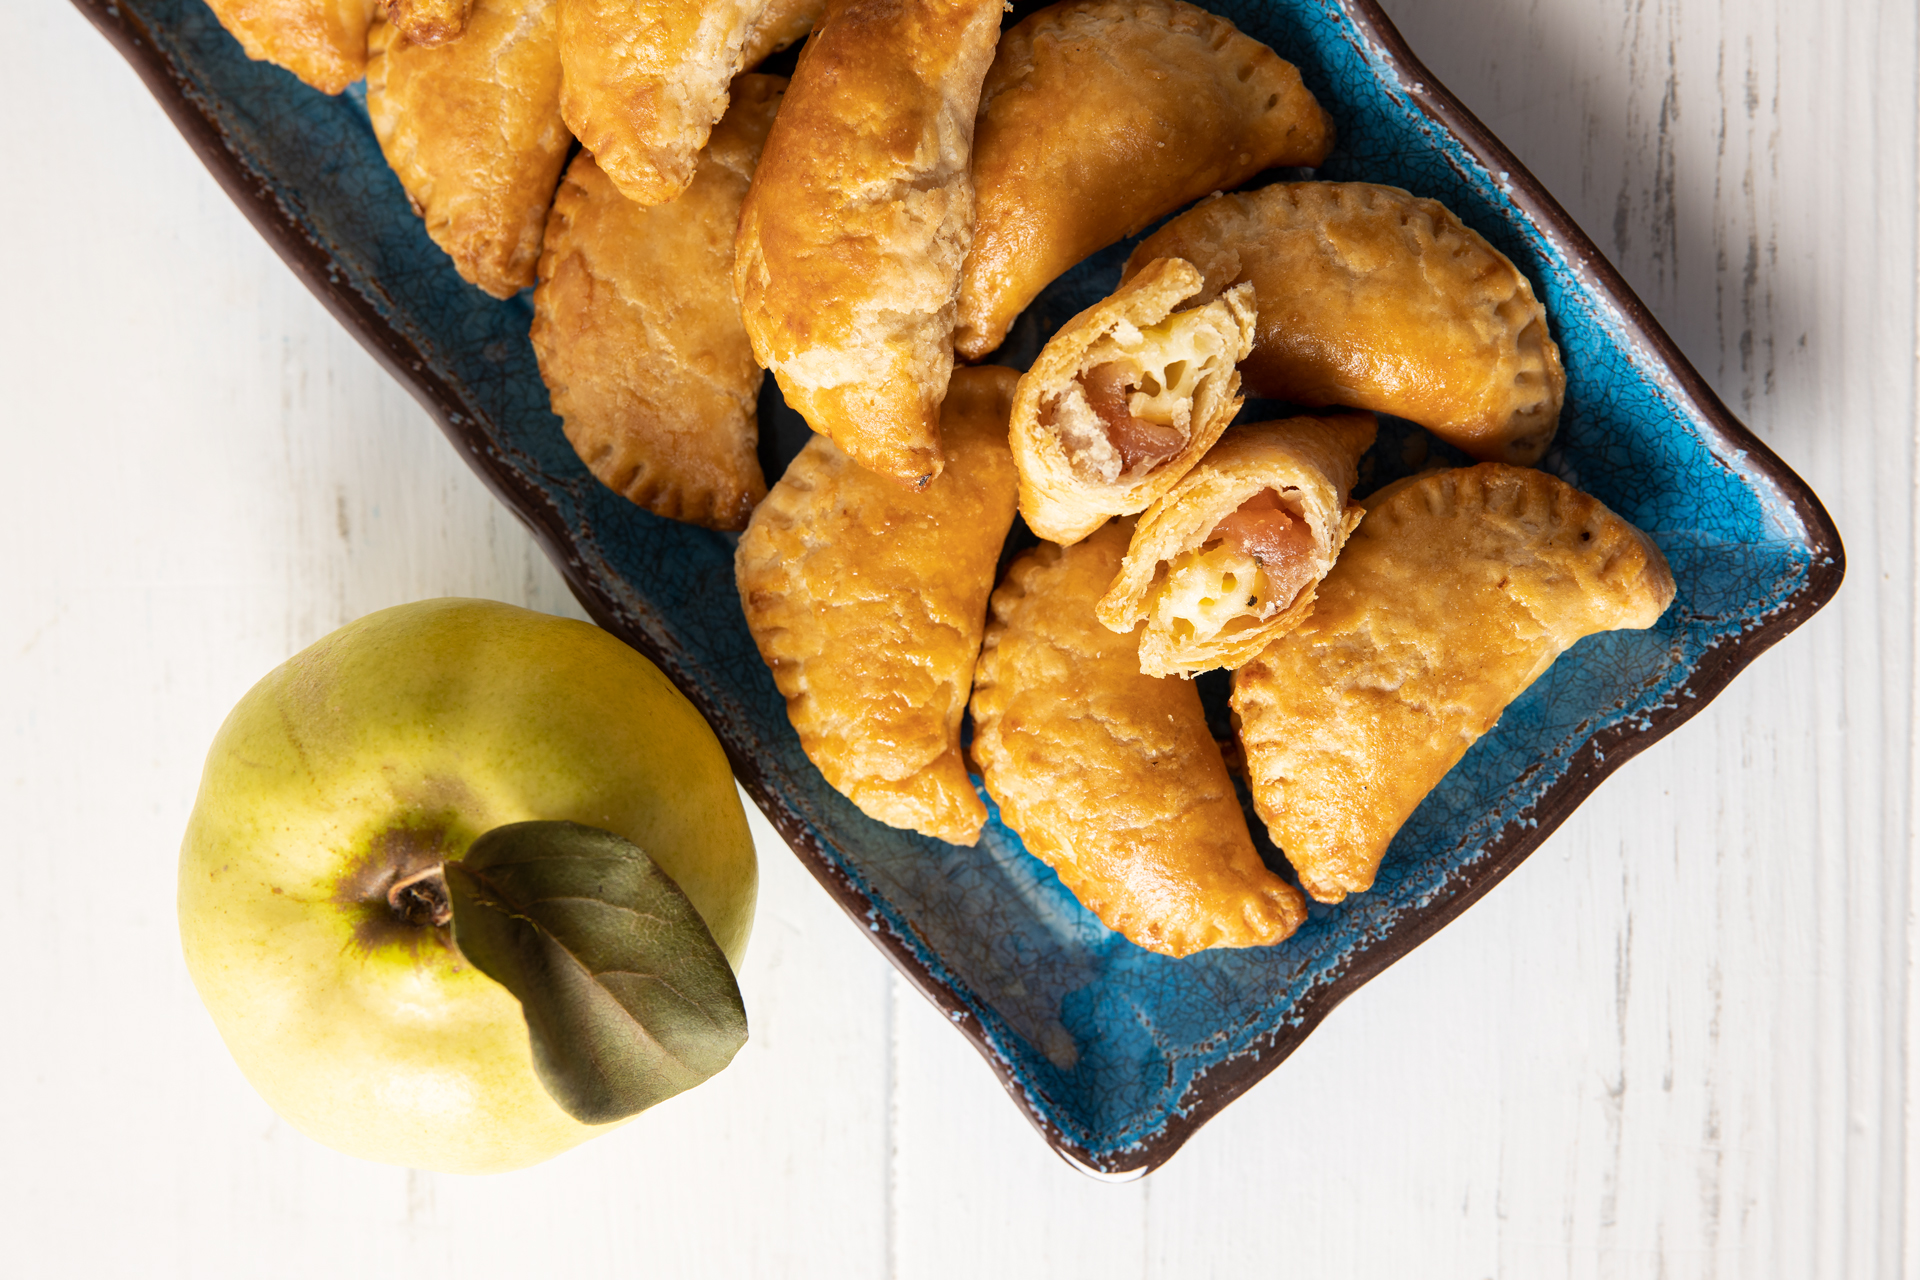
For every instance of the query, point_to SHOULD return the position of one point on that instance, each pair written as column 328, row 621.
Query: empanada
column 323, row 42
column 1125, row 398
column 1110, row 776
column 473, row 130
column 1457, row 591
column 646, row 80
column 848, row 261
column 428, row 22
column 1227, row 561
column 1101, row 116
column 639, row 338
column 1375, row 299
column 868, row 600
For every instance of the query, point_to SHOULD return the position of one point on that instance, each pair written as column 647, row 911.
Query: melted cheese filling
column 1254, row 563
column 1209, row 591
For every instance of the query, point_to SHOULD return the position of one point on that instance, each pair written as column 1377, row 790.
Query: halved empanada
column 428, row 22
column 473, row 130
column 1110, row 776
column 323, row 42
column 1125, row 398
column 867, row 601
column 639, row 338
column 1227, row 561
column 1101, row 116
column 848, row 259
column 1457, row 591
column 646, row 80
column 1374, row 299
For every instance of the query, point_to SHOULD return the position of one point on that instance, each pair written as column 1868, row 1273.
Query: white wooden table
column 1678, row 1041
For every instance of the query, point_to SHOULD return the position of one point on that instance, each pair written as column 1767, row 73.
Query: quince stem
column 422, row 898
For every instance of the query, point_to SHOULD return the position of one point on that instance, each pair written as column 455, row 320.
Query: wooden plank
column 1674, row 1041
column 1680, row 1039
column 976, row 1191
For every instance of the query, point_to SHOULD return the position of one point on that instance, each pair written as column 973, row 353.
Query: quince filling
column 1130, row 408
column 1251, row 566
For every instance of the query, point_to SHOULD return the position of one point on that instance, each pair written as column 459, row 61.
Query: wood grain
column 1680, row 1040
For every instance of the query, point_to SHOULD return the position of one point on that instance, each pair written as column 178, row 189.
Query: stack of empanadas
column 903, row 200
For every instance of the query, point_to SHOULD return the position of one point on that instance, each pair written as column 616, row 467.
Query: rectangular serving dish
column 1117, row 1055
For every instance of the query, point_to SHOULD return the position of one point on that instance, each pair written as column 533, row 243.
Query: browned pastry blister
column 1456, row 592
column 1125, row 398
column 867, row 601
column 428, row 22
column 639, row 338
column 848, row 258
column 1109, row 776
column 645, row 81
column 1228, row 560
column 323, row 42
column 1100, row 117
column 1376, row 299
column 472, row 127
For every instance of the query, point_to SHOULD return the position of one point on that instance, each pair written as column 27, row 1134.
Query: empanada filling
column 1130, row 408
column 1252, row 564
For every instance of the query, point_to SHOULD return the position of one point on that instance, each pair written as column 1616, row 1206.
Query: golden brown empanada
column 639, row 338
column 1125, row 398
column 1457, row 591
column 646, row 80
column 473, row 129
column 1227, row 561
column 848, row 261
column 1100, row 116
column 323, row 42
column 867, row 601
column 1375, row 299
column 428, row 22
column 1110, row 776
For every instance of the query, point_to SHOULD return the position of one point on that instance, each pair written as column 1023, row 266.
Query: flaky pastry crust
column 867, row 601
column 1110, row 776
column 323, row 42
column 428, row 22
column 473, row 130
column 1064, row 502
column 1375, row 299
column 644, row 81
column 779, row 24
column 639, row 338
column 1311, row 464
column 1100, row 117
column 1457, row 591
column 848, row 259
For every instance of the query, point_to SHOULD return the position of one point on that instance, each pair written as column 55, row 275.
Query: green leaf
column 628, row 998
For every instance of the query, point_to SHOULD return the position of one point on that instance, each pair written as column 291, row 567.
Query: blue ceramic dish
column 1116, row 1054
